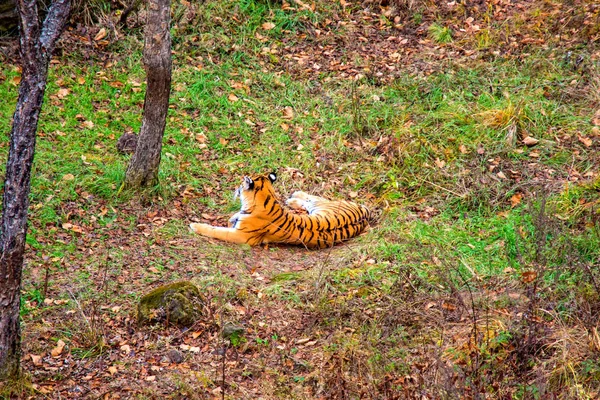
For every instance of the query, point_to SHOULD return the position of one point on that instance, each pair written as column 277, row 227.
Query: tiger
column 262, row 219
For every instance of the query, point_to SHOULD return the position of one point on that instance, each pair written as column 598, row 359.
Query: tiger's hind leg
column 305, row 196
column 231, row 235
column 304, row 201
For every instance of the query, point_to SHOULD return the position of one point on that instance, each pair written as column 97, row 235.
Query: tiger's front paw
column 200, row 229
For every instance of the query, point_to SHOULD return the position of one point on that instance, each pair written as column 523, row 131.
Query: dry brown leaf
column 528, row 276
column 585, row 140
column 208, row 216
column 596, row 119
column 201, row 137
column 232, row 97
column 68, row 177
column 515, row 199
column 112, row 370
column 16, row 80
column 116, row 84
column 81, row 80
column 77, row 229
column 288, row 112
column 267, row 26
column 530, row 141
column 37, row 360
column 463, row 149
column 62, row 93
column 100, row 35
column 60, row 345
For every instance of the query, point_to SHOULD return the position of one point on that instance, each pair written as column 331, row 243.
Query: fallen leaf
column 62, row 93
column 288, row 112
column 112, row 370
column 88, row 124
column 515, row 199
column 100, row 35
column 201, row 137
column 68, row 177
column 232, row 97
column 267, row 26
column 501, row 175
column 528, row 276
column 596, row 119
column 530, row 141
column 585, row 140
column 463, row 149
column 60, row 345
column 208, row 216
column 37, row 360
column 440, row 163
column 116, row 84
column 16, row 80
column 81, row 80
column 195, row 334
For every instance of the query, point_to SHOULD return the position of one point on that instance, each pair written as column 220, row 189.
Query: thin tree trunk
column 36, row 49
column 143, row 166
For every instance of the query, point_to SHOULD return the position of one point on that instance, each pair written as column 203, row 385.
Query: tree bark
column 143, row 166
column 37, row 43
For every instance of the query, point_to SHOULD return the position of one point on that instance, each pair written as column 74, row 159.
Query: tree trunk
column 36, row 49
column 143, row 166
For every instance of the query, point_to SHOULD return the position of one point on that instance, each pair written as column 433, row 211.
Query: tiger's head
column 255, row 191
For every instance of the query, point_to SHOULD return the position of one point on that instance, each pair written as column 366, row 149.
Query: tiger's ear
column 248, row 183
column 272, row 177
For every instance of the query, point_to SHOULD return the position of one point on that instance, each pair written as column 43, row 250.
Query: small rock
column 175, row 356
column 178, row 303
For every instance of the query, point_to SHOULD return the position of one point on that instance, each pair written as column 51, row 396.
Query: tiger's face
column 254, row 190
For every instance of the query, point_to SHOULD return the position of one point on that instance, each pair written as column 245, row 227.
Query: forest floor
column 472, row 131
